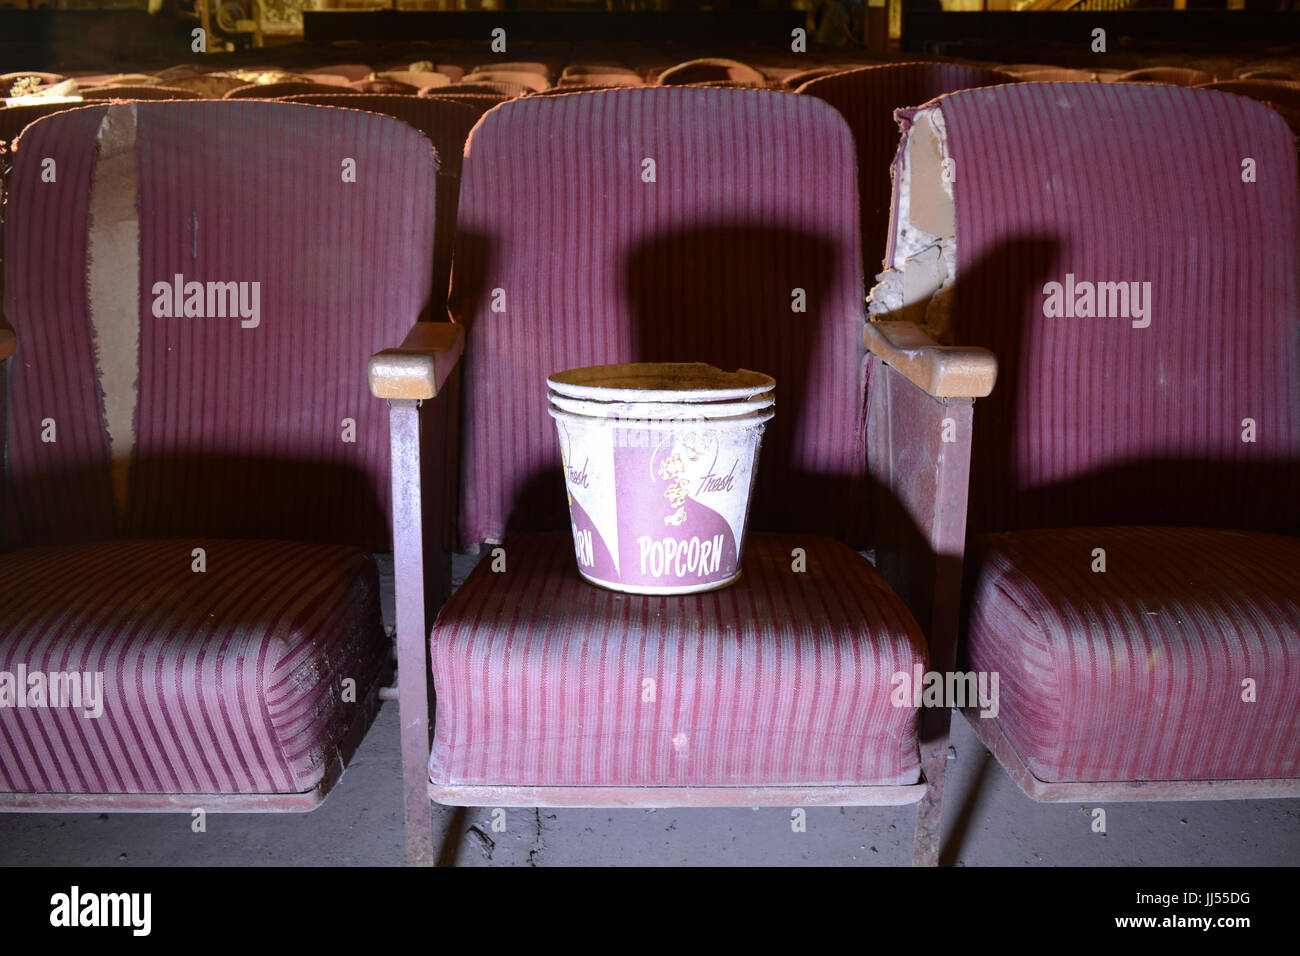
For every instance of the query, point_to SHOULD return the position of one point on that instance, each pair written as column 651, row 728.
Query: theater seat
column 1135, row 569
column 542, row 680
column 1136, row 673
column 776, row 689
column 190, row 494
column 447, row 123
column 226, row 681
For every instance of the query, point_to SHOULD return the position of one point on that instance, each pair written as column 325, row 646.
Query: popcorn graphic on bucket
column 659, row 463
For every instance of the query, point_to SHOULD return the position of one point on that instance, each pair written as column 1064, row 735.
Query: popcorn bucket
column 659, row 463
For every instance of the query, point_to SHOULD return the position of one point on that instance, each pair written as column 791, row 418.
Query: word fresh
column 711, row 482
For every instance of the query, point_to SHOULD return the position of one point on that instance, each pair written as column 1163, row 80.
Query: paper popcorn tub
column 659, row 462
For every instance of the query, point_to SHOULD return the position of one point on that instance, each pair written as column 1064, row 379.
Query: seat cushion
column 783, row 678
column 1137, row 672
column 226, row 681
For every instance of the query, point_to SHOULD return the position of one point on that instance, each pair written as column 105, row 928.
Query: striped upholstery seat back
column 1182, row 407
column 447, row 123
column 13, row 119
column 660, row 224
column 1266, row 91
column 236, row 405
column 867, row 98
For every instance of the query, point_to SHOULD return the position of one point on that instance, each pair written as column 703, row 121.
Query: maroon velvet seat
column 227, row 682
column 776, row 690
column 13, row 119
column 190, row 499
column 1141, row 679
column 741, row 699
column 1134, row 478
column 447, row 122
column 867, row 98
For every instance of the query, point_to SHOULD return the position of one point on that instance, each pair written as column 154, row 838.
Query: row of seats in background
column 444, row 99
column 515, row 77
column 701, row 271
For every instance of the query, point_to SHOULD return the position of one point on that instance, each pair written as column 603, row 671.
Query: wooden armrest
column 941, row 370
column 418, row 367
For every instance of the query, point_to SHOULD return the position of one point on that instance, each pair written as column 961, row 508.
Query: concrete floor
column 987, row 822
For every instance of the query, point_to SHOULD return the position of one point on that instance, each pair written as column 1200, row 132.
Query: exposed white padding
column 113, row 286
column 918, row 283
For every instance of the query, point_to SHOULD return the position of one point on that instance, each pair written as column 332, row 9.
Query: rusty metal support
column 412, row 634
column 918, row 451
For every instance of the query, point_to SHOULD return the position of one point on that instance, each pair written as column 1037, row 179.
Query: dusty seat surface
column 225, row 681
column 1136, row 673
column 782, row 679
